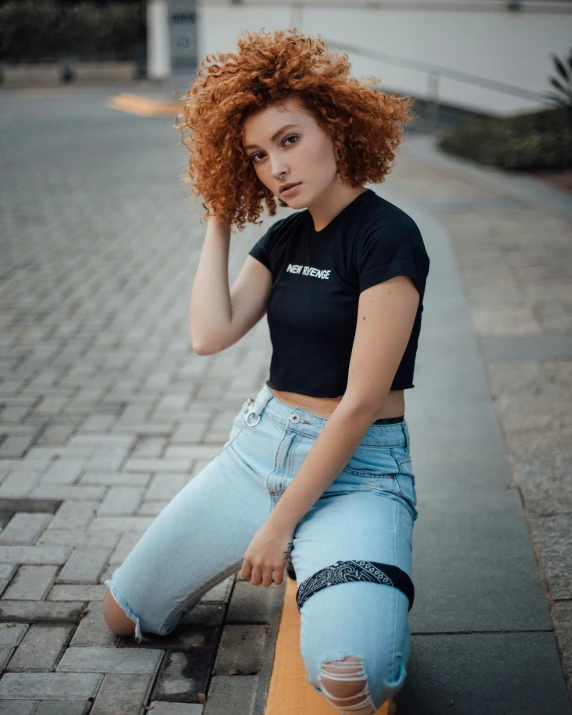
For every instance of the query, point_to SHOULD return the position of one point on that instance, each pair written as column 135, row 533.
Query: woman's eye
column 290, row 136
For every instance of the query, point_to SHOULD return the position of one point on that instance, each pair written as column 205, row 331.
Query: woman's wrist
column 218, row 221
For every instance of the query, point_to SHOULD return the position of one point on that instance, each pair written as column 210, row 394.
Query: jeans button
column 295, row 418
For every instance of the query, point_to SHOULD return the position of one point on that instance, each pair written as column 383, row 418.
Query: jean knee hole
column 354, row 689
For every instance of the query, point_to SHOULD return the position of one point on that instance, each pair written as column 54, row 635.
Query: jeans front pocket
column 374, row 467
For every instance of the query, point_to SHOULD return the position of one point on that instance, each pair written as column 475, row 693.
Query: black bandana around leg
column 347, row 571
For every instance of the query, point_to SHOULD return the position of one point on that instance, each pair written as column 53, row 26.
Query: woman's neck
column 331, row 203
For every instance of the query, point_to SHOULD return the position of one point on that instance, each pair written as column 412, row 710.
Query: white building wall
column 493, row 44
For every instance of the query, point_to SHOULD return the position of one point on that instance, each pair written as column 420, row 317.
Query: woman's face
column 286, row 145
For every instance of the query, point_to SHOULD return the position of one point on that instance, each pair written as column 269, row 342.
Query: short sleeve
column 392, row 246
column 262, row 249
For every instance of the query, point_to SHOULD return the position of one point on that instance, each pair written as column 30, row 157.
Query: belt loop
column 253, row 410
column 406, row 433
column 265, row 401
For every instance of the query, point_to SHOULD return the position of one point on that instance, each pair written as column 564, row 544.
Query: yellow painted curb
column 143, row 106
column 289, row 693
column 47, row 92
column 52, row 92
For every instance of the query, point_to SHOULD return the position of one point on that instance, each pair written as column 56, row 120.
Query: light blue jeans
column 351, row 552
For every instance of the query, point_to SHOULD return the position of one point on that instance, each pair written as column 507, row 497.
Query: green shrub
column 43, row 30
column 535, row 140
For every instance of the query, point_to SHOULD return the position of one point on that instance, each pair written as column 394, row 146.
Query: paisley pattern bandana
column 346, row 571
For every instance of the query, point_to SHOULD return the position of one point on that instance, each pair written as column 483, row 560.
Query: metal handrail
column 434, row 72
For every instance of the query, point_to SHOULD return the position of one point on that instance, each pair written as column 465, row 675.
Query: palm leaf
column 560, row 67
column 556, row 83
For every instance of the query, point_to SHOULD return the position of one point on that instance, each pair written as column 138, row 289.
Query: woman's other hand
column 267, row 555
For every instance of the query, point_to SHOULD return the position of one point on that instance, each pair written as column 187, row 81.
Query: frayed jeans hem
column 122, row 603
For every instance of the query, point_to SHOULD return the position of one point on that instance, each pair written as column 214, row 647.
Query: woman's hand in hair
column 212, row 209
column 219, row 221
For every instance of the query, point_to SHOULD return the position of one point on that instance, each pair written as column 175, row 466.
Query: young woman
column 317, row 467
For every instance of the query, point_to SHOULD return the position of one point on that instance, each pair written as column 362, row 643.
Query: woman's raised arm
column 219, row 317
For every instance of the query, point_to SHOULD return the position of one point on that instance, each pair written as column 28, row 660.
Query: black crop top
column 317, row 277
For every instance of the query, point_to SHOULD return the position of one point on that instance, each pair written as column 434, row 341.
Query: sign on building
column 183, row 35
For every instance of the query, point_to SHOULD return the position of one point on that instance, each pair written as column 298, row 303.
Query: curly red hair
column 365, row 125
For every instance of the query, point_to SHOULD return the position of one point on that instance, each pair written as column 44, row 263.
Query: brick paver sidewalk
column 105, row 412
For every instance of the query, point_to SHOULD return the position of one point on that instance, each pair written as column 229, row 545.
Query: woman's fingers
column 246, row 570
column 262, row 576
column 256, row 576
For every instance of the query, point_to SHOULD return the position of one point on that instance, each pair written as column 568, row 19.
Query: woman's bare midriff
column 324, row 406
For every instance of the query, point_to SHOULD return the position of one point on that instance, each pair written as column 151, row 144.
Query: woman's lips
column 291, row 191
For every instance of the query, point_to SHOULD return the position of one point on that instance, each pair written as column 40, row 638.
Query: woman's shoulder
column 381, row 210
column 387, row 224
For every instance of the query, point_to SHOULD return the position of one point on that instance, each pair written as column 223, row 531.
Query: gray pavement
column 493, row 557
column 105, row 413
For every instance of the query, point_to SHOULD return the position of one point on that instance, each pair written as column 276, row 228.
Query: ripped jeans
column 351, row 551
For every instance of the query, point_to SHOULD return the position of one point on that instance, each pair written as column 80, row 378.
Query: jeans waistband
column 392, row 431
column 389, row 420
